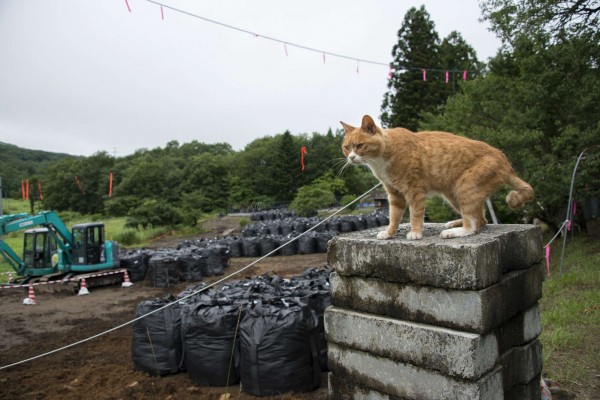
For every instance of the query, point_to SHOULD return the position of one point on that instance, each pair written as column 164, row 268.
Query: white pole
column 491, row 210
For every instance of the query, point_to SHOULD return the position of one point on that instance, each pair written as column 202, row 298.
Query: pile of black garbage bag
column 169, row 267
column 261, row 238
column 277, row 213
column 266, row 332
column 194, row 259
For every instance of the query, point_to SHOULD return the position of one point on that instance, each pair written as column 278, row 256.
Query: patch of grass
column 244, row 221
column 570, row 312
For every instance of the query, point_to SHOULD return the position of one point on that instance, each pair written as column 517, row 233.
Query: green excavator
column 51, row 249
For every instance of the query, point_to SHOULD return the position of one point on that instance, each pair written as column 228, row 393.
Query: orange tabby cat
column 413, row 165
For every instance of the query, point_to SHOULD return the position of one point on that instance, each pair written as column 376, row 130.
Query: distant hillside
column 17, row 163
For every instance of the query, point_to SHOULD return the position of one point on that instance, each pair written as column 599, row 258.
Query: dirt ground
column 102, row 368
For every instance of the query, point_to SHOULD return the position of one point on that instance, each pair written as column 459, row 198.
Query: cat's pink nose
column 352, row 157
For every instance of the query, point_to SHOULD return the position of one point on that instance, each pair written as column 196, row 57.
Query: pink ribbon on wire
column 548, row 259
column 424, row 74
column 127, row 3
column 465, row 75
column 447, row 76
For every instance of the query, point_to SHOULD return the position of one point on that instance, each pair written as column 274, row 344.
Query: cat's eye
column 359, row 146
column 347, row 148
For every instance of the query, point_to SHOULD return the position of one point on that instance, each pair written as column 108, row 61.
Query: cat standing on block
column 413, row 165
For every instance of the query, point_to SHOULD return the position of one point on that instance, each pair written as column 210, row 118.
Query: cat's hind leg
column 473, row 220
column 449, row 198
column 454, row 224
column 457, row 232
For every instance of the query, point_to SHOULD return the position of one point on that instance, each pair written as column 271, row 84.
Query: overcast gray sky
column 85, row 76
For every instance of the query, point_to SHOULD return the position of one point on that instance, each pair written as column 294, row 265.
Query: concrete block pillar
column 436, row 318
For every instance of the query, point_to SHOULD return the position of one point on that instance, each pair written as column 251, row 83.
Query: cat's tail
column 522, row 194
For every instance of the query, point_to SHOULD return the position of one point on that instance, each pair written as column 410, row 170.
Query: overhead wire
column 286, row 43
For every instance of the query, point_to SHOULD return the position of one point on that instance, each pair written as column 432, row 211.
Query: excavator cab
column 38, row 248
column 88, row 244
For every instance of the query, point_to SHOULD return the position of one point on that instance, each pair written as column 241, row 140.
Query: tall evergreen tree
column 408, row 94
column 419, row 48
column 456, row 56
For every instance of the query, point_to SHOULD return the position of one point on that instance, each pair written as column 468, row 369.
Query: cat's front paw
column 412, row 235
column 383, row 235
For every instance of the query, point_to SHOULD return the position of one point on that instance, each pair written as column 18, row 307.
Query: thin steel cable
column 191, row 294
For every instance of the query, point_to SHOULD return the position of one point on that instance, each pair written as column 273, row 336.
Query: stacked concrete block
column 436, row 318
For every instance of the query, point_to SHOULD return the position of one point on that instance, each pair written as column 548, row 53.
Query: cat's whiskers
column 341, row 163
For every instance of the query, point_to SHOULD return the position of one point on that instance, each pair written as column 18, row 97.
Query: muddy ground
column 102, row 368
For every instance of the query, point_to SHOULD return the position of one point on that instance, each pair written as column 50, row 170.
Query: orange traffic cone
column 126, row 281
column 30, row 300
column 83, row 290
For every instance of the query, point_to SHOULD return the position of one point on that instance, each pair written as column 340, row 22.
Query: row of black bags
column 269, row 215
column 266, row 332
column 169, row 267
column 274, row 237
column 290, row 225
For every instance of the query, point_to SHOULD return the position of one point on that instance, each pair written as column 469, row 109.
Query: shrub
column 128, row 237
column 349, row 198
column 243, row 222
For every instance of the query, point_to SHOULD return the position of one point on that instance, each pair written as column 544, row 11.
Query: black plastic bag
column 347, row 225
column 268, row 244
column 279, row 350
column 289, row 249
column 162, row 270
column 211, row 349
column 217, row 258
column 323, row 239
column 307, row 244
column 235, row 246
column 190, row 265
column 136, row 263
column 156, row 339
column 250, row 247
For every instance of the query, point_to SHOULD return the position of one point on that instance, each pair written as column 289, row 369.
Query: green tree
column 512, row 19
column 206, row 180
column 78, row 184
column 321, row 193
column 456, row 56
column 538, row 103
column 408, row 94
column 419, row 48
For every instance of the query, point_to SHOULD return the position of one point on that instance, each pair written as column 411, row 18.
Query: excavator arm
column 49, row 219
column 12, row 258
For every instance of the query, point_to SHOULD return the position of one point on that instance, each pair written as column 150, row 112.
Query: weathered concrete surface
column 343, row 389
column 455, row 353
column 519, row 330
column 521, row 364
column 472, row 262
column 407, row 381
column 472, row 311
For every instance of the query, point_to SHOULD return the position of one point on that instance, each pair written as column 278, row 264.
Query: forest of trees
column 537, row 99
column 180, row 182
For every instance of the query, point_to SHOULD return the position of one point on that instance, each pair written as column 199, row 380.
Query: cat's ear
column 347, row 128
column 368, row 125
